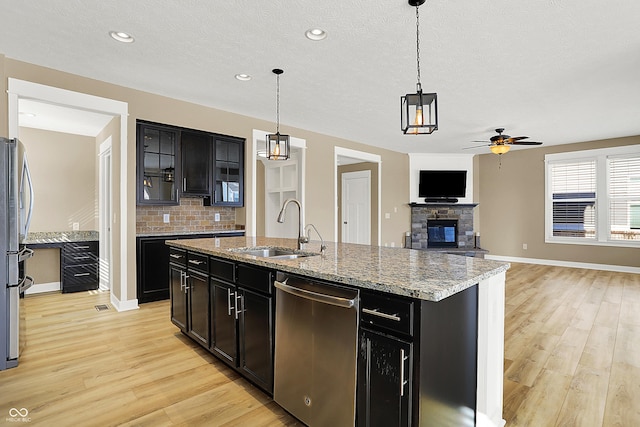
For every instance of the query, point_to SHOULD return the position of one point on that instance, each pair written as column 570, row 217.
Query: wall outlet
column 524, row 246
column 165, row 218
column 387, row 215
column 76, row 226
column 216, row 217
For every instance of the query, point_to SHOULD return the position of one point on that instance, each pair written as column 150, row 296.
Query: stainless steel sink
column 274, row 253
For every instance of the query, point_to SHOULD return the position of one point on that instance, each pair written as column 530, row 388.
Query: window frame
column 601, row 157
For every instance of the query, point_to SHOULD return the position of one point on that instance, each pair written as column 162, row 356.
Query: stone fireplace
column 424, row 216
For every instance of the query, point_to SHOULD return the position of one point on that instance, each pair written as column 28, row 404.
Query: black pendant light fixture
column 419, row 111
column 278, row 146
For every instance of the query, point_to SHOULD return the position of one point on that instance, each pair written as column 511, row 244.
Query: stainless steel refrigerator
column 16, row 193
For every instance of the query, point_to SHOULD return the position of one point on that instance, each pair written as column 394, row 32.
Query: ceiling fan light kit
column 418, row 111
column 278, row 145
column 501, row 143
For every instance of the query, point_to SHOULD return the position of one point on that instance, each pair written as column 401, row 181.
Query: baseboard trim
column 127, row 305
column 571, row 264
column 39, row 288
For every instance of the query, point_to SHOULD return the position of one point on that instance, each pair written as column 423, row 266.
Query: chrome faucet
column 301, row 236
column 307, row 230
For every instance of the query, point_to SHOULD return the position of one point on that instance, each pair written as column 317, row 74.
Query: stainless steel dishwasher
column 315, row 350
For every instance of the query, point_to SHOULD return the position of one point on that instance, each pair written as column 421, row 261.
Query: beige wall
column 320, row 179
column 64, row 172
column 373, row 167
column 512, row 201
column 44, row 266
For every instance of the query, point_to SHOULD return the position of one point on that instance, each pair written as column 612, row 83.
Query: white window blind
column 624, row 198
column 573, row 192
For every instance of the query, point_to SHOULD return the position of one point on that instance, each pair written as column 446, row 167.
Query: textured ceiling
column 559, row 71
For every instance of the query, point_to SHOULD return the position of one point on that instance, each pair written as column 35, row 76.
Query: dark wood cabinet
column 384, row 380
column 196, row 150
column 173, row 161
column 256, row 324
column 228, row 171
column 197, row 284
column 177, row 279
column 79, row 266
column 157, row 147
column 223, row 320
column 153, row 261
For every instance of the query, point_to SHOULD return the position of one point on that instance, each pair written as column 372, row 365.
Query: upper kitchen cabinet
column 157, row 159
column 196, row 163
column 229, row 171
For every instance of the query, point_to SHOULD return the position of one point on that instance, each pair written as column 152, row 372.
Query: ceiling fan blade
column 487, row 141
column 526, row 143
column 476, row 146
column 516, row 138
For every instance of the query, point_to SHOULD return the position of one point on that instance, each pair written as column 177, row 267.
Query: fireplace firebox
column 442, row 233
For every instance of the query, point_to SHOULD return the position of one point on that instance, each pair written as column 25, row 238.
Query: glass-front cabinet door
column 157, row 151
column 229, row 171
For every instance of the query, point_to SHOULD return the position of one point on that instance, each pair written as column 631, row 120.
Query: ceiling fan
column 501, row 143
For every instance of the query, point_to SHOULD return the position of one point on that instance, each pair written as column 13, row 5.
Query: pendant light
column 277, row 144
column 419, row 111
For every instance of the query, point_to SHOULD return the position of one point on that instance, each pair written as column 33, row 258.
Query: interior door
column 356, row 207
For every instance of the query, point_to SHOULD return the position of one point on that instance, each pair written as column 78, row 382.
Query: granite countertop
column 419, row 274
column 56, row 237
column 187, row 233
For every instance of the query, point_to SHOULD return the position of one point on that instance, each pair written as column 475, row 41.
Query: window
column 593, row 197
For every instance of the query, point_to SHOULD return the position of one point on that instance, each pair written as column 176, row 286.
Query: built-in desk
column 74, row 266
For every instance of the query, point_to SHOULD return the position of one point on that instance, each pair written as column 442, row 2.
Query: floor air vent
column 102, row 307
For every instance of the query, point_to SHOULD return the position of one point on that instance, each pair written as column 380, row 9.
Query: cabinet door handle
column 375, row 312
column 239, row 298
column 81, row 274
column 184, row 184
column 82, row 247
column 229, row 293
column 403, row 382
column 182, row 274
column 195, row 261
column 81, row 257
column 186, row 288
column 175, row 256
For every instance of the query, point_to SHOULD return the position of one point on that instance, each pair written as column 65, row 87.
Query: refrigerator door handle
column 26, row 173
column 25, row 253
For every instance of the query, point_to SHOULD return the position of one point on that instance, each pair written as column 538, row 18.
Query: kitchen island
column 439, row 289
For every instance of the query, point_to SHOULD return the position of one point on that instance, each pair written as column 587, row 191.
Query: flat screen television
column 442, row 186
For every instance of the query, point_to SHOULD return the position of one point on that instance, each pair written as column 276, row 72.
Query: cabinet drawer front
column 75, row 258
column 178, row 256
column 73, row 247
column 221, row 269
column 387, row 312
column 255, row 278
column 80, row 274
column 198, row 262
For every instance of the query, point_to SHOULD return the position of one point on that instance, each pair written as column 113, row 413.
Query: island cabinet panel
column 223, row 321
column 256, row 324
column 385, row 360
column 198, row 297
column 384, row 380
column 177, row 279
column 242, row 319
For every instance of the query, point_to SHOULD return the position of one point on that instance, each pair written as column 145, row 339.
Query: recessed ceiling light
column 121, row 37
column 316, row 34
column 243, row 77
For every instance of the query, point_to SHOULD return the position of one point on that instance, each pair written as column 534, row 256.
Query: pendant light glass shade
column 499, row 148
column 418, row 111
column 278, row 145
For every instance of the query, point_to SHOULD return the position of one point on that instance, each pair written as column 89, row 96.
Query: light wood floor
column 572, row 358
